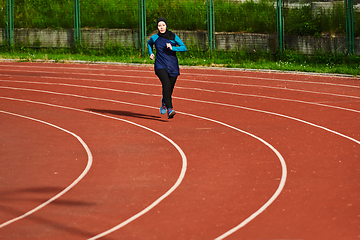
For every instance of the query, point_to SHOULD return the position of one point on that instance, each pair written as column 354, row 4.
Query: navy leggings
column 168, row 84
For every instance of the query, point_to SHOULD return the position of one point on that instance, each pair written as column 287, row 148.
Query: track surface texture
column 86, row 154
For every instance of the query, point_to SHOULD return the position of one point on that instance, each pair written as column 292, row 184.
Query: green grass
column 289, row 61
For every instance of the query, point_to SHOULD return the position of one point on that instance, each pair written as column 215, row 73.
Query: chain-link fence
column 304, row 26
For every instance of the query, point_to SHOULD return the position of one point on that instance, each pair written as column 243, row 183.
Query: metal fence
column 217, row 18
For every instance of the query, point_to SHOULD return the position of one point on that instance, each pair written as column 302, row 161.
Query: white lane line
column 274, row 80
column 180, row 87
column 272, row 199
column 291, row 100
column 249, row 219
column 278, row 190
column 157, row 201
column 275, row 114
column 240, row 107
column 195, row 80
column 77, row 180
column 140, row 93
column 82, row 86
column 266, row 205
column 185, row 99
column 197, row 74
column 188, row 99
column 262, row 86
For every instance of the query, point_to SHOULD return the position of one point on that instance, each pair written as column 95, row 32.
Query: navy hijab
column 168, row 34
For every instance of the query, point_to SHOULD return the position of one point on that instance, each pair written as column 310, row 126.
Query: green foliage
column 2, row 13
column 230, row 16
column 245, row 17
column 302, row 21
column 109, row 14
column 43, row 14
column 180, row 14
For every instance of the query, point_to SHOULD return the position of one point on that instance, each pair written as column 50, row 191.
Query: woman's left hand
column 168, row 45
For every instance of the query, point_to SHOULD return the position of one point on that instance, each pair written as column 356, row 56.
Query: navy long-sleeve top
column 166, row 58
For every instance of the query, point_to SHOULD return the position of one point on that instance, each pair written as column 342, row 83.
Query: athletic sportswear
column 166, row 58
column 168, row 84
column 171, row 113
column 163, row 108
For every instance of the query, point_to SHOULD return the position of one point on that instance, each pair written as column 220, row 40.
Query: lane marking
column 152, row 205
column 278, row 190
column 260, row 210
column 263, row 207
column 77, row 180
column 196, row 81
column 196, row 74
column 180, row 87
column 302, row 121
column 140, row 93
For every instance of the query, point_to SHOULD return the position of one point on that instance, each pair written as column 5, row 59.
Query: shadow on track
column 26, row 195
column 127, row 114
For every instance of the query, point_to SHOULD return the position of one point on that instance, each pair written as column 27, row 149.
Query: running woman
column 166, row 64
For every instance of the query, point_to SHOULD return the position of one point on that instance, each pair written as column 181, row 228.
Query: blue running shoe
column 163, row 107
column 171, row 113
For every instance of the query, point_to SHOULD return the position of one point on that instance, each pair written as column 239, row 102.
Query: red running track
column 85, row 154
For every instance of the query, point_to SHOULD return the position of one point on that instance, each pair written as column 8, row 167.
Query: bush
column 230, row 16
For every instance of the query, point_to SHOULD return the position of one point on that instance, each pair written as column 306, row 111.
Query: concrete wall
column 98, row 38
column 268, row 42
column 329, row 44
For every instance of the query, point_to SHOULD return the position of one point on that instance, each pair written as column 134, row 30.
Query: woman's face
column 162, row 27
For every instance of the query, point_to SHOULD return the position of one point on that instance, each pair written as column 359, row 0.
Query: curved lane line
column 196, row 89
column 278, row 190
column 157, row 201
column 229, row 105
column 270, row 79
column 77, row 180
column 277, row 114
column 185, row 99
column 245, row 85
column 202, row 81
column 270, row 201
column 183, row 79
column 192, row 74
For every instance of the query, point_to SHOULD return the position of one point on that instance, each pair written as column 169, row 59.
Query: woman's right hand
column 152, row 56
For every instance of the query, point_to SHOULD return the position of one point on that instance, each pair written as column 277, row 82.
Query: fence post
column 10, row 22
column 211, row 24
column 142, row 25
column 280, row 27
column 77, row 23
column 349, row 13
